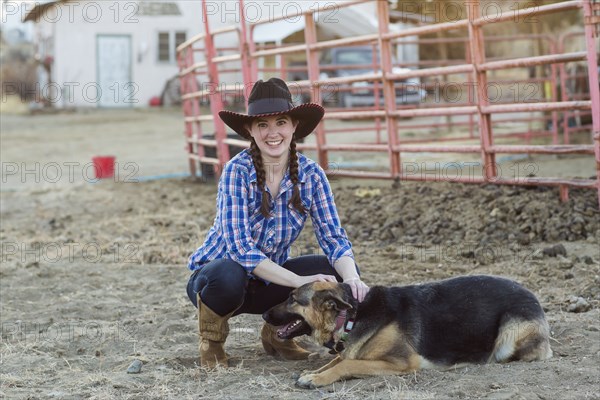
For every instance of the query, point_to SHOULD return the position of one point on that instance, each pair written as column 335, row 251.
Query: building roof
column 348, row 22
column 143, row 8
column 40, row 8
column 277, row 30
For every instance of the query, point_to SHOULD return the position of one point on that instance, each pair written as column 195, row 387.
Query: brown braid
column 295, row 201
column 265, row 206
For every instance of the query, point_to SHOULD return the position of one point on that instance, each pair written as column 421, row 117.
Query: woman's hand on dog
column 302, row 280
column 359, row 288
column 347, row 269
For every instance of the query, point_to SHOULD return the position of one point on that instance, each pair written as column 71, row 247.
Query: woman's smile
column 273, row 135
column 274, row 143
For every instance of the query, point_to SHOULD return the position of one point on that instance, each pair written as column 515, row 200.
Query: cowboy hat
column 270, row 98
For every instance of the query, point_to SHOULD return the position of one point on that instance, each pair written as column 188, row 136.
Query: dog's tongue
column 285, row 330
column 340, row 320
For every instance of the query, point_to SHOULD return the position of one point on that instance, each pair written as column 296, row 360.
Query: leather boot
column 213, row 332
column 287, row 349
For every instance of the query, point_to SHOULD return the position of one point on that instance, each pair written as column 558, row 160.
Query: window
column 179, row 38
column 163, row 47
column 167, row 45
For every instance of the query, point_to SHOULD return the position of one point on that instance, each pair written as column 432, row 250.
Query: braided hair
column 260, row 178
column 295, row 201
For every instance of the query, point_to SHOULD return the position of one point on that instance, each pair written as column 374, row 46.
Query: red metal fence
column 200, row 62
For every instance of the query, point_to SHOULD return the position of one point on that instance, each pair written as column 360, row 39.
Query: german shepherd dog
column 395, row 330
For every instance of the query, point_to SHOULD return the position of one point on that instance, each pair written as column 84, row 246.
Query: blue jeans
column 224, row 285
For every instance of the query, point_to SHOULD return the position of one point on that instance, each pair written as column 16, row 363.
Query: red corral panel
column 369, row 94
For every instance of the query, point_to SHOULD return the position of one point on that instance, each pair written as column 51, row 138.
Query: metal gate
column 201, row 67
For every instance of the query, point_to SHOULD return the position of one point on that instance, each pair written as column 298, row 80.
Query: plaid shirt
column 241, row 233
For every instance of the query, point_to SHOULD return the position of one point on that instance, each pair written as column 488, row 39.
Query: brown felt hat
column 270, row 98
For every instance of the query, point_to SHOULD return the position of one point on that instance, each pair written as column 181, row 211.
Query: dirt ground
column 93, row 273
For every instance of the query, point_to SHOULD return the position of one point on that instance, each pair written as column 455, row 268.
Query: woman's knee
column 221, row 281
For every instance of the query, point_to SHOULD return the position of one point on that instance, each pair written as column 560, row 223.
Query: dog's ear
column 334, row 302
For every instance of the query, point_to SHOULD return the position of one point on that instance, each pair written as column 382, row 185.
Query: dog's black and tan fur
column 470, row 319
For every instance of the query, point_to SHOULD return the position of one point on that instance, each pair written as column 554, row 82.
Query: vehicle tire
column 341, row 100
column 348, row 102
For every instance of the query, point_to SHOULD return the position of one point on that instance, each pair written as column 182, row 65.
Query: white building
column 121, row 54
column 110, row 53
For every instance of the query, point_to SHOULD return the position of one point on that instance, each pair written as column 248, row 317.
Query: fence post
column 216, row 100
column 592, row 62
column 310, row 37
column 246, row 60
column 389, row 93
column 477, row 44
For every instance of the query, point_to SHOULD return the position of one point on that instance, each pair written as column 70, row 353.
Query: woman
column 265, row 195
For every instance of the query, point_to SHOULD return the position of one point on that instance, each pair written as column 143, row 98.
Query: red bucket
column 104, row 166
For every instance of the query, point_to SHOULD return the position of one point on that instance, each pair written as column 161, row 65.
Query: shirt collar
column 286, row 183
column 301, row 174
column 252, row 175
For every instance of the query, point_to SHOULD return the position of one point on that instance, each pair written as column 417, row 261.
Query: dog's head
column 311, row 309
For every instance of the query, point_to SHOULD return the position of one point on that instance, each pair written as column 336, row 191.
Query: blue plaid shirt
column 241, row 233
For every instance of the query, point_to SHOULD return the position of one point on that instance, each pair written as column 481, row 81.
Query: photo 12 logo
column 457, row 171
column 69, row 171
column 255, row 11
column 92, row 12
column 455, row 11
column 71, row 93
column 54, row 252
column 62, row 332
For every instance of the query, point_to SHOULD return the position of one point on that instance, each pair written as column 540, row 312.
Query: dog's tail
column 520, row 339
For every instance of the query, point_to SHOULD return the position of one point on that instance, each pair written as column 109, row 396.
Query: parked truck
column 358, row 60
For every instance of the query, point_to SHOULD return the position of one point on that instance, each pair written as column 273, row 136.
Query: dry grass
column 145, row 301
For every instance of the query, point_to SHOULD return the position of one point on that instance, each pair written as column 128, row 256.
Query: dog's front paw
column 311, row 381
column 306, row 381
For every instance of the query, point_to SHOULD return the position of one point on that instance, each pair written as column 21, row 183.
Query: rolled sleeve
column 331, row 236
column 233, row 207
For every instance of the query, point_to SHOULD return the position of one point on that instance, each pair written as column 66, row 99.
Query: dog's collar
column 349, row 324
column 345, row 319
